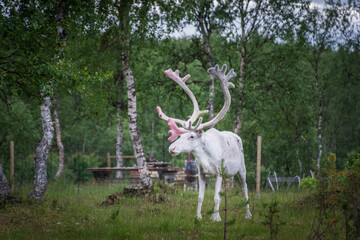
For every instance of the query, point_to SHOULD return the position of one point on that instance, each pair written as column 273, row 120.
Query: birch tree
column 42, row 150
column 119, row 126
column 201, row 13
column 208, row 17
column 61, row 33
column 4, row 186
column 131, row 19
column 29, row 34
column 262, row 20
column 328, row 27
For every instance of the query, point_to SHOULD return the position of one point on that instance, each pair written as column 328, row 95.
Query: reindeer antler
column 187, row 126
column 225, row 85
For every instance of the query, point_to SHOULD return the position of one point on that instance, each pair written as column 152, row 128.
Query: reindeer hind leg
column 242, row 177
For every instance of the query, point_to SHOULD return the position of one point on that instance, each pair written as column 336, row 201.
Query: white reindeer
column 210, row 147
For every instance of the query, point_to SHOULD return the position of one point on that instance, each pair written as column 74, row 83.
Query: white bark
column 4, row 186
column 238, row 120
column 119, row 162
column 58, row 139
column 212, row 86
column 132, row 118
column 299, row 160
column 42, row 151
column 319, row 134
column 320, row 113
column 61, row 32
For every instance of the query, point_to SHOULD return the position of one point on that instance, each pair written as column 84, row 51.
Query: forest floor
column 72, row 211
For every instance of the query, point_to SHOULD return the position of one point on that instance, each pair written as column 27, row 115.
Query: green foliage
column 351, row 157
column 337, row 201
column 350, row 200
column 271, row 218
column 308, row 183
column 224, row 194
column 115, row 214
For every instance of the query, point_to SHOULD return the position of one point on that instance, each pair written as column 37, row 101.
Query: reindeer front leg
column 217, row 198
column 201, row 191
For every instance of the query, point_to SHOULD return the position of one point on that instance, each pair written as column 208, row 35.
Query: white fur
column 210, row 148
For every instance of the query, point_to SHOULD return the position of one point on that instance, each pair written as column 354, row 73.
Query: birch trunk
column 238, row 117
column 42, row 151
column 61, row 32
column 299, row 160
column 238, row 120
column 204, row 28
column 211, row 87
column 319, row 133
column 320, row 114
column 119, row 162
column 132, row 118
column 4, row 185
column 58, row 140
column 319, row 130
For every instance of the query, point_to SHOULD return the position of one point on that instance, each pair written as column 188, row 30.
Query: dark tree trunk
column 42, row 151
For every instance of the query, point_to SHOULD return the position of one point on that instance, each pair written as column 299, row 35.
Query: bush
column 308, row 183
column 337, row 200
column 351, row 199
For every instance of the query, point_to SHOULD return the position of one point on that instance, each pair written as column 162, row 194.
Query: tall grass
column 74, row 212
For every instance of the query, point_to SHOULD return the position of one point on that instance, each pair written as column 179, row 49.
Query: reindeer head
column 190, row 134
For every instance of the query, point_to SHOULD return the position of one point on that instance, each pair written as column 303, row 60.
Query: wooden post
column 12, row 166
column 108, row 160
column 258, row 167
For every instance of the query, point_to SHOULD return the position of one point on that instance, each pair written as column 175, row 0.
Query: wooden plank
column 134, row 169
column 111, row 156
column 108, row 160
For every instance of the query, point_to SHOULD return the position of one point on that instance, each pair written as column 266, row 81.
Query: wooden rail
column 103, row 174
column 109, row 157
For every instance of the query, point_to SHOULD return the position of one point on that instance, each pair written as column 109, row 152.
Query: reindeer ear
column 200, row 132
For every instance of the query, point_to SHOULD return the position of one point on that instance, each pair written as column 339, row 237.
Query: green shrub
column 308, row 183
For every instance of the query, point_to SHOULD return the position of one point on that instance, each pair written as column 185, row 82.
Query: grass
column 72, row 213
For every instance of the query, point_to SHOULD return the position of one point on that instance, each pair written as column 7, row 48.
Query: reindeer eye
column 191, row 137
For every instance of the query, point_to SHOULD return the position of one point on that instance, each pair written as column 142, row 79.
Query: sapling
column 224, row 182
column 270, row 217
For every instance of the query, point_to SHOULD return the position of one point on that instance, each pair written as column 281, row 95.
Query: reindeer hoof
column 216, row 217
column 248, row 215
